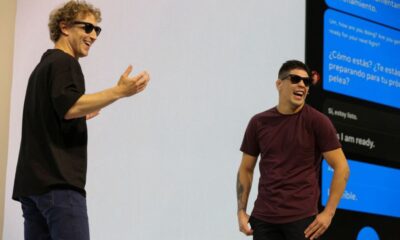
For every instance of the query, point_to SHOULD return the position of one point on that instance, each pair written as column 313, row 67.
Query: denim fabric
column 56, row 215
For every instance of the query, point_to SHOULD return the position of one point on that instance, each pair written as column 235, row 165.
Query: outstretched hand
column 132, row 85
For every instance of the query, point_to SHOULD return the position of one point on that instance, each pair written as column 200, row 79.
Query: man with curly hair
column 51, row 171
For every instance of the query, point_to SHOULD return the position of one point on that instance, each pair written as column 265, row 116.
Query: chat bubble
column 382, row 11
column 360, row 59
column 370, row 189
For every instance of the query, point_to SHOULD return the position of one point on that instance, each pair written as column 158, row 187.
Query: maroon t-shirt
column 290, row 147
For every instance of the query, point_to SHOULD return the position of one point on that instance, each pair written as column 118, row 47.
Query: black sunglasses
column 294, row 79
column 88, row 27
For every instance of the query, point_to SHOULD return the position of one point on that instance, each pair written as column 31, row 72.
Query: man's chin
column 83, row 54
column 297, row 104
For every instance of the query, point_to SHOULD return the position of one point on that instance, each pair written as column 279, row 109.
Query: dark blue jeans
column 286, row 231
column 56, row 215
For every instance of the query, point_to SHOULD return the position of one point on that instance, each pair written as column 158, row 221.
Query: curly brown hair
column 68, row 13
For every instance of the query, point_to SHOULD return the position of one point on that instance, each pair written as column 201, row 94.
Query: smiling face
column 292, row 96
column 74, row 40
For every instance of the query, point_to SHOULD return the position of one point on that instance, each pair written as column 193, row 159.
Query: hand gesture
column 132, row 85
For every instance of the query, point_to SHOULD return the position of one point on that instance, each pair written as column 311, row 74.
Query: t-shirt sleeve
column 326, row 135
column 250, row 142
column 67, row 87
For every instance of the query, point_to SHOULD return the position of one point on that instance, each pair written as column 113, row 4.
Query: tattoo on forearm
column 239, row 192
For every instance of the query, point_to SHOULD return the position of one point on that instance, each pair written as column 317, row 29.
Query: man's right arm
column 243, row 186
column 90, row 103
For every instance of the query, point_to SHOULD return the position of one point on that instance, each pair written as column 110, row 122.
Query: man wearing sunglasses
column 290, row 139
column 51, row 170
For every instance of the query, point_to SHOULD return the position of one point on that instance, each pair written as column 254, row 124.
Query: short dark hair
column 68, row 13
column 291, row 65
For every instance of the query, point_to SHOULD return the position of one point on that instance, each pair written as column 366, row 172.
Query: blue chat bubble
column 361, row 59
column 371, row 189
column 382, row 11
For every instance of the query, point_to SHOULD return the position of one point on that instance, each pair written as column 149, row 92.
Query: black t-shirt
column 53, row 151
column 290, row 147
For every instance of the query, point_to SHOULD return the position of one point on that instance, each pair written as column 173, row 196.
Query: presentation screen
column 354, row 45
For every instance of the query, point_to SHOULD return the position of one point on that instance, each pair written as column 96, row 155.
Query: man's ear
column 278, row 84
column 64, row 28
